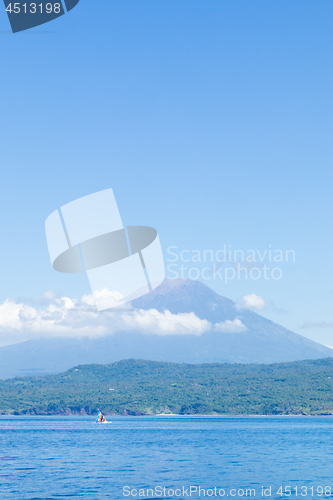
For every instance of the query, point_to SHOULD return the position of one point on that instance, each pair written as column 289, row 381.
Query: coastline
column 70, row 413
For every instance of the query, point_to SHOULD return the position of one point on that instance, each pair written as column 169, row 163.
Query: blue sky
column 211, row 121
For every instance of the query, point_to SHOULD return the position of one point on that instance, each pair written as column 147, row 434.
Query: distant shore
column 176, row 415
column 147, row 388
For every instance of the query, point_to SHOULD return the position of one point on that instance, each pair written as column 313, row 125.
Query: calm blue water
column 66, row 457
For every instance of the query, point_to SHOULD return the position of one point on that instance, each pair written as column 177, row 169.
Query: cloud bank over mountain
column 66, row 317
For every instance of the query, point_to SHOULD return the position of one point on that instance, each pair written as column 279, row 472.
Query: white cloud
column 12, row 314
column 251, row 301
column 65, row 317
column 104, row 298
column 166, row 323
column 235, row 326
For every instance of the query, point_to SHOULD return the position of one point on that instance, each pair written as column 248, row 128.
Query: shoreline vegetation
column 137, row 387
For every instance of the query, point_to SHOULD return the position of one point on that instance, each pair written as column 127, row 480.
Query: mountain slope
column 263, row 341
column 263, row 338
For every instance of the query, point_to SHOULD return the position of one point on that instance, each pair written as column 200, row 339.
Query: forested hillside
column 148, row 387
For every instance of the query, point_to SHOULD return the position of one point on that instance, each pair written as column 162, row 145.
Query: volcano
column 258, row 341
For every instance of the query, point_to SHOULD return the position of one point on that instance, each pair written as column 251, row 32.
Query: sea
column 166, row 457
